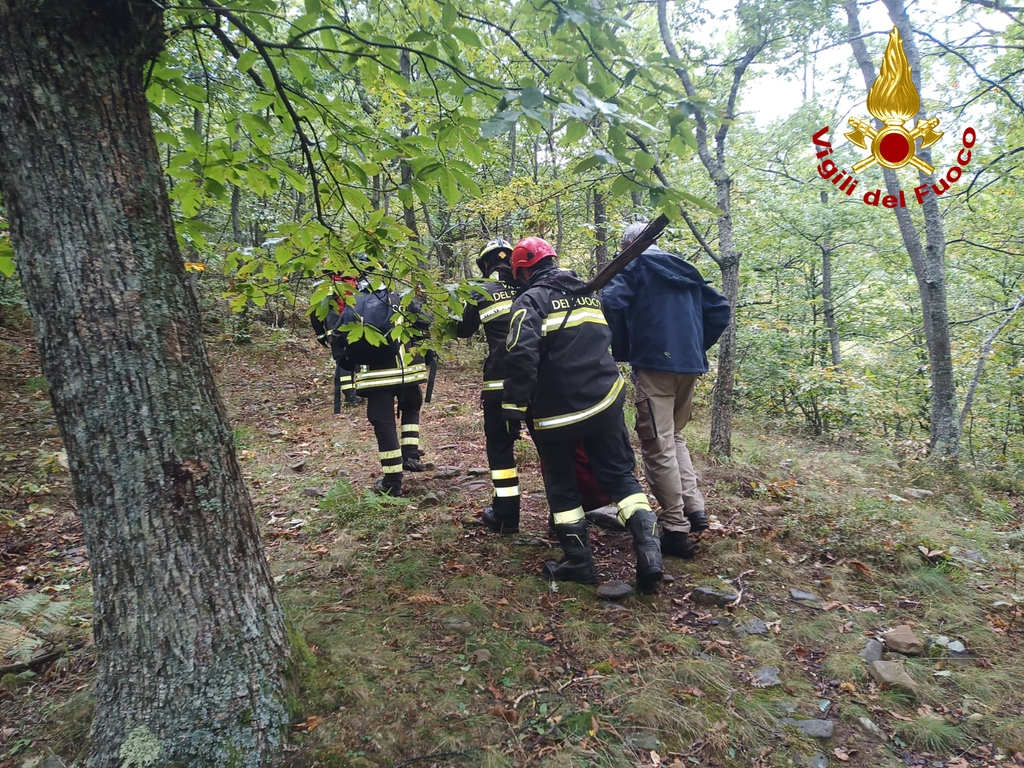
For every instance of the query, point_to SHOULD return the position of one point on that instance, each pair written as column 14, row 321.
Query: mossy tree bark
column 189, row 634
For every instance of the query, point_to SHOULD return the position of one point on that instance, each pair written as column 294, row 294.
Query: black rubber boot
column 577, row 564
column 643, row 525
column 503, row 515
column 678, row 544
column 388, row 489
column 413, row 464
column 698, row 521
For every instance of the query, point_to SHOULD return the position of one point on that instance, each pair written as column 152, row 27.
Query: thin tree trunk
column 189, row 636
column 600, row 229
column 826, row 294
column 929, row 261
column 721, row 403
column 236, row 214
column 553, row 158
column 712, row 157
column 236, row 207
column 986, row 350
column 408, row 207
column 720, row 443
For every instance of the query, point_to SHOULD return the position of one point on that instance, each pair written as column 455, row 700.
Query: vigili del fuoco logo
column 893, row 100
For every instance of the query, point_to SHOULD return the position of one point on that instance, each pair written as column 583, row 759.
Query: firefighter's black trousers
column 501, row 458
column 612, row 462
column 380, row 411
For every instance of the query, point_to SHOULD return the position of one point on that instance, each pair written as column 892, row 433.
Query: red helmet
column 528, row 252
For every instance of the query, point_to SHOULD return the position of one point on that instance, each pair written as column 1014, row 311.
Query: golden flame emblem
column 894, row 100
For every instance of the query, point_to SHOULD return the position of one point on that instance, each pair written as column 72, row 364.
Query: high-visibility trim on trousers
column 569, row 516
column 631, row 504
column 494, row 386
column 506, row 492
column 391, row 461
column 504, row 474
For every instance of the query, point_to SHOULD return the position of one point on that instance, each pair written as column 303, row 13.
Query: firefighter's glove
column 430, row 357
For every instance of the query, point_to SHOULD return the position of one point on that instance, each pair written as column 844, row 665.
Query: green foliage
column 361, row 509
column 297, row 141
column 28, row 622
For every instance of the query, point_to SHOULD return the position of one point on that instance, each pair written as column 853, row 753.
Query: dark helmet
column 528, row 252
column 492, row 254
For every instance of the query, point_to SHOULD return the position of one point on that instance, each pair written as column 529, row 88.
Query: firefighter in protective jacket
column 386, row 373
column 493, row 313
column 335, row 305
column 561, row 375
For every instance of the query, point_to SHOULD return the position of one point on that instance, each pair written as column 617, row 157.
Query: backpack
column 375, row 310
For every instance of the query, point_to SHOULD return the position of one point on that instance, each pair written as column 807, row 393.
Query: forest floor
column 427, row 641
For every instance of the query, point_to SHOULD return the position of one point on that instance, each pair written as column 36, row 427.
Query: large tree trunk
column 929, row 261
column 189, row 635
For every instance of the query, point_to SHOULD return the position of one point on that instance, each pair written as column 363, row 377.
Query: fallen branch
column 38, row 661
column 580, row 680
column 528, row 693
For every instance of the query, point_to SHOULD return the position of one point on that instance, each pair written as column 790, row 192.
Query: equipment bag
column 371, row 309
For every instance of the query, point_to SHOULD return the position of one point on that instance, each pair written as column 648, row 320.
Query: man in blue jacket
column 664, row 317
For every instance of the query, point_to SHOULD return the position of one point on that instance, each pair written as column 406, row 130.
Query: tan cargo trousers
column 663, row 405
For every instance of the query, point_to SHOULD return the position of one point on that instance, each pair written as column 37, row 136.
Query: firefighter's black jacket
column 493, row 313
column 558, row 360
column 389, row 365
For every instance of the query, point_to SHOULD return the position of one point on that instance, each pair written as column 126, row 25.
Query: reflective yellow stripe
column 410, row 441
column 362, row 383
column 504, row 474
column 392, row 470
column 395, row 454
column 511, row 407
column 496, row 310
column 553, row 322
column 573, row 418
column 384, row 372
column 515, row 326
column 570, row 517
column 506, row 492
column 410, row 427
column 631, row 504
column 494, row 385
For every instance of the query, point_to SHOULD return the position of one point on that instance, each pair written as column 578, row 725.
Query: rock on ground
column 807, row 597
column 614, row 590
column 766, row 677
column 873, row 651
column 891, row 674
column 752, row 626
column 869, row 726
column 815, row 729
column 917, row 493
column 605, row 517
column 903, row 640
column 711, row 597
